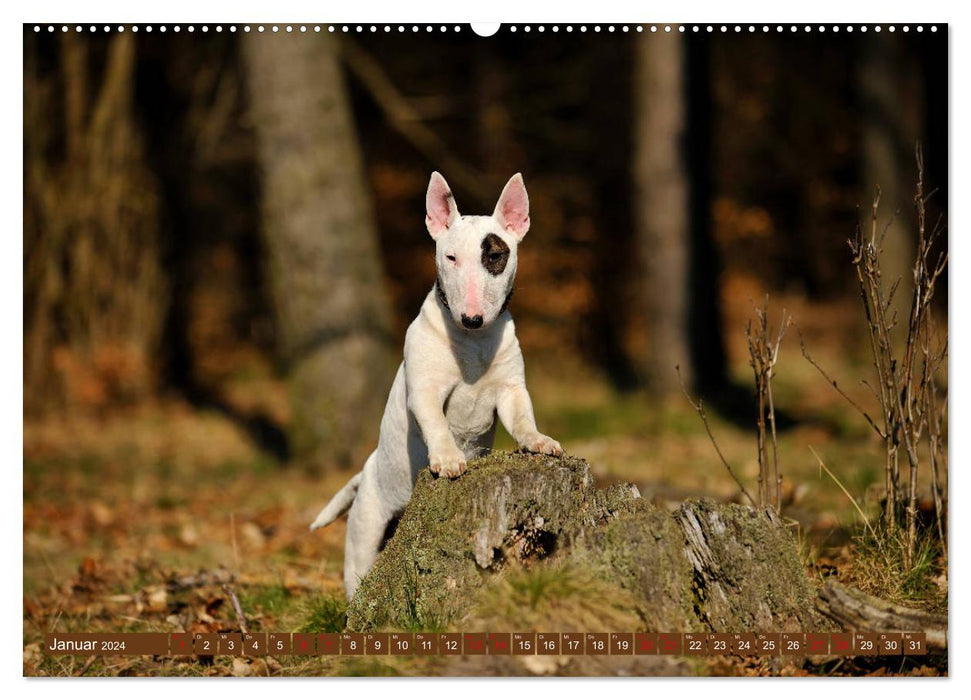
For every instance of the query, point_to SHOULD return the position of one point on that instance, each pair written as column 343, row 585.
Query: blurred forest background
column 224, row 245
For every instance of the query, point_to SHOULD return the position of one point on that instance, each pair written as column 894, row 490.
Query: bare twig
column 832, row 382
column 232, row 534
column 763, row 356
column 699, row 407
column 88, row 664
column 237, row 608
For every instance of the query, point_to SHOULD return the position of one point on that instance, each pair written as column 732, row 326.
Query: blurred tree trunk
column 612, row 274
column 94, row 291
column 671, row 154
column 892, row 122
column 325, row 267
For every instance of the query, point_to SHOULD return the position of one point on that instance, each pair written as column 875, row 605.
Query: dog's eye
column 450, row 257
column 495, row 257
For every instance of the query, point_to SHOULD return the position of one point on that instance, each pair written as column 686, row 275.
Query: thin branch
column 240, row 617
column 832, row 382
column 699, row 407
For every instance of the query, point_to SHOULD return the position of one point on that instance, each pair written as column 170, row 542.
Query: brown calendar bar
column 818, row 643
column 130, row 644
column 377, row 643
column 474, row 644
column 402, row 644
column 793, row 644
column 180, row 644
column 303, row 644
column 205, row 644
column 450, row 643
column 548, row 643
column 841, row 644
column 328, row 643
column 500, row 643
column 352, row 644
column 426, row 644
column 524, row 643
column 621, row 643
column 694, row 644
column 866, row 643
column 645, row 643
column 719, row 644
column 768, row 644
column 857, row 643
column 571, row 644
column 598, row 643
column 745, row 644
column 278, row 644
column 914, row 643
column 230, row 644
column 254, row 644
column 890, row 643
column 670, row 644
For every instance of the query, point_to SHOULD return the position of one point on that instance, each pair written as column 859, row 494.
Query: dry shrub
column 909, row 381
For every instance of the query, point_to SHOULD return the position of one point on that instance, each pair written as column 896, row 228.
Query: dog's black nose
column 474, row 322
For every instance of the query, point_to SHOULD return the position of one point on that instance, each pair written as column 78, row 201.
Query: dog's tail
column 339, row 504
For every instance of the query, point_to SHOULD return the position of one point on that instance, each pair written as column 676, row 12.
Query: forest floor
column 118, row 507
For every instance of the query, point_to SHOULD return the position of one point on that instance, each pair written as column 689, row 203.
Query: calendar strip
column 489, row 643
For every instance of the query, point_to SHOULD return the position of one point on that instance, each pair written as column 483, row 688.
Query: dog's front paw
column 448, row 463
column 541, row 444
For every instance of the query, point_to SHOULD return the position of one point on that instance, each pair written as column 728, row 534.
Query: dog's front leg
column 516, row 413
column 444, row 456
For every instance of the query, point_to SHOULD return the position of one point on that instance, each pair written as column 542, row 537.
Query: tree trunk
column 671, row 216
column 325, row 268
column 612, row 274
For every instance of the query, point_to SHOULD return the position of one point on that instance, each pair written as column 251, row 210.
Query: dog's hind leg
column 367, row 524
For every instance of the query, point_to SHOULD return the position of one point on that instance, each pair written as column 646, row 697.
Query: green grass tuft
column 881, row 569
column 324, row 613
column 271, row 600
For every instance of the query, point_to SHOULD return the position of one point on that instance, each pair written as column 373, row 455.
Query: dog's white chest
column 471, row 410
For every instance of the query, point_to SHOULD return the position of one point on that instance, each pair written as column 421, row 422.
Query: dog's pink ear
column 440, row 209
column 512, row 210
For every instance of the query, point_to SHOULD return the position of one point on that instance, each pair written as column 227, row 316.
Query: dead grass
column 880, row 567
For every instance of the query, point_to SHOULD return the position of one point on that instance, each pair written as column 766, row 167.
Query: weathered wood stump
column 854, row 609
column 528, row 528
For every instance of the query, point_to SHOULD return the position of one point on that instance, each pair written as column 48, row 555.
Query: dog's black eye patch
column 495, row 254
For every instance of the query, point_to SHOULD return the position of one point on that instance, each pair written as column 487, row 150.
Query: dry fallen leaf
column 253, row 535
column 157, row 598
column 188, row 536
column 242, row 667
column 101, row 514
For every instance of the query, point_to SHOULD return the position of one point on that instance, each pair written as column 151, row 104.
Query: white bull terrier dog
column 462, row 367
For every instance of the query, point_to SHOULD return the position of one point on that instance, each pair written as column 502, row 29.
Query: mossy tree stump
column 706, row 567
